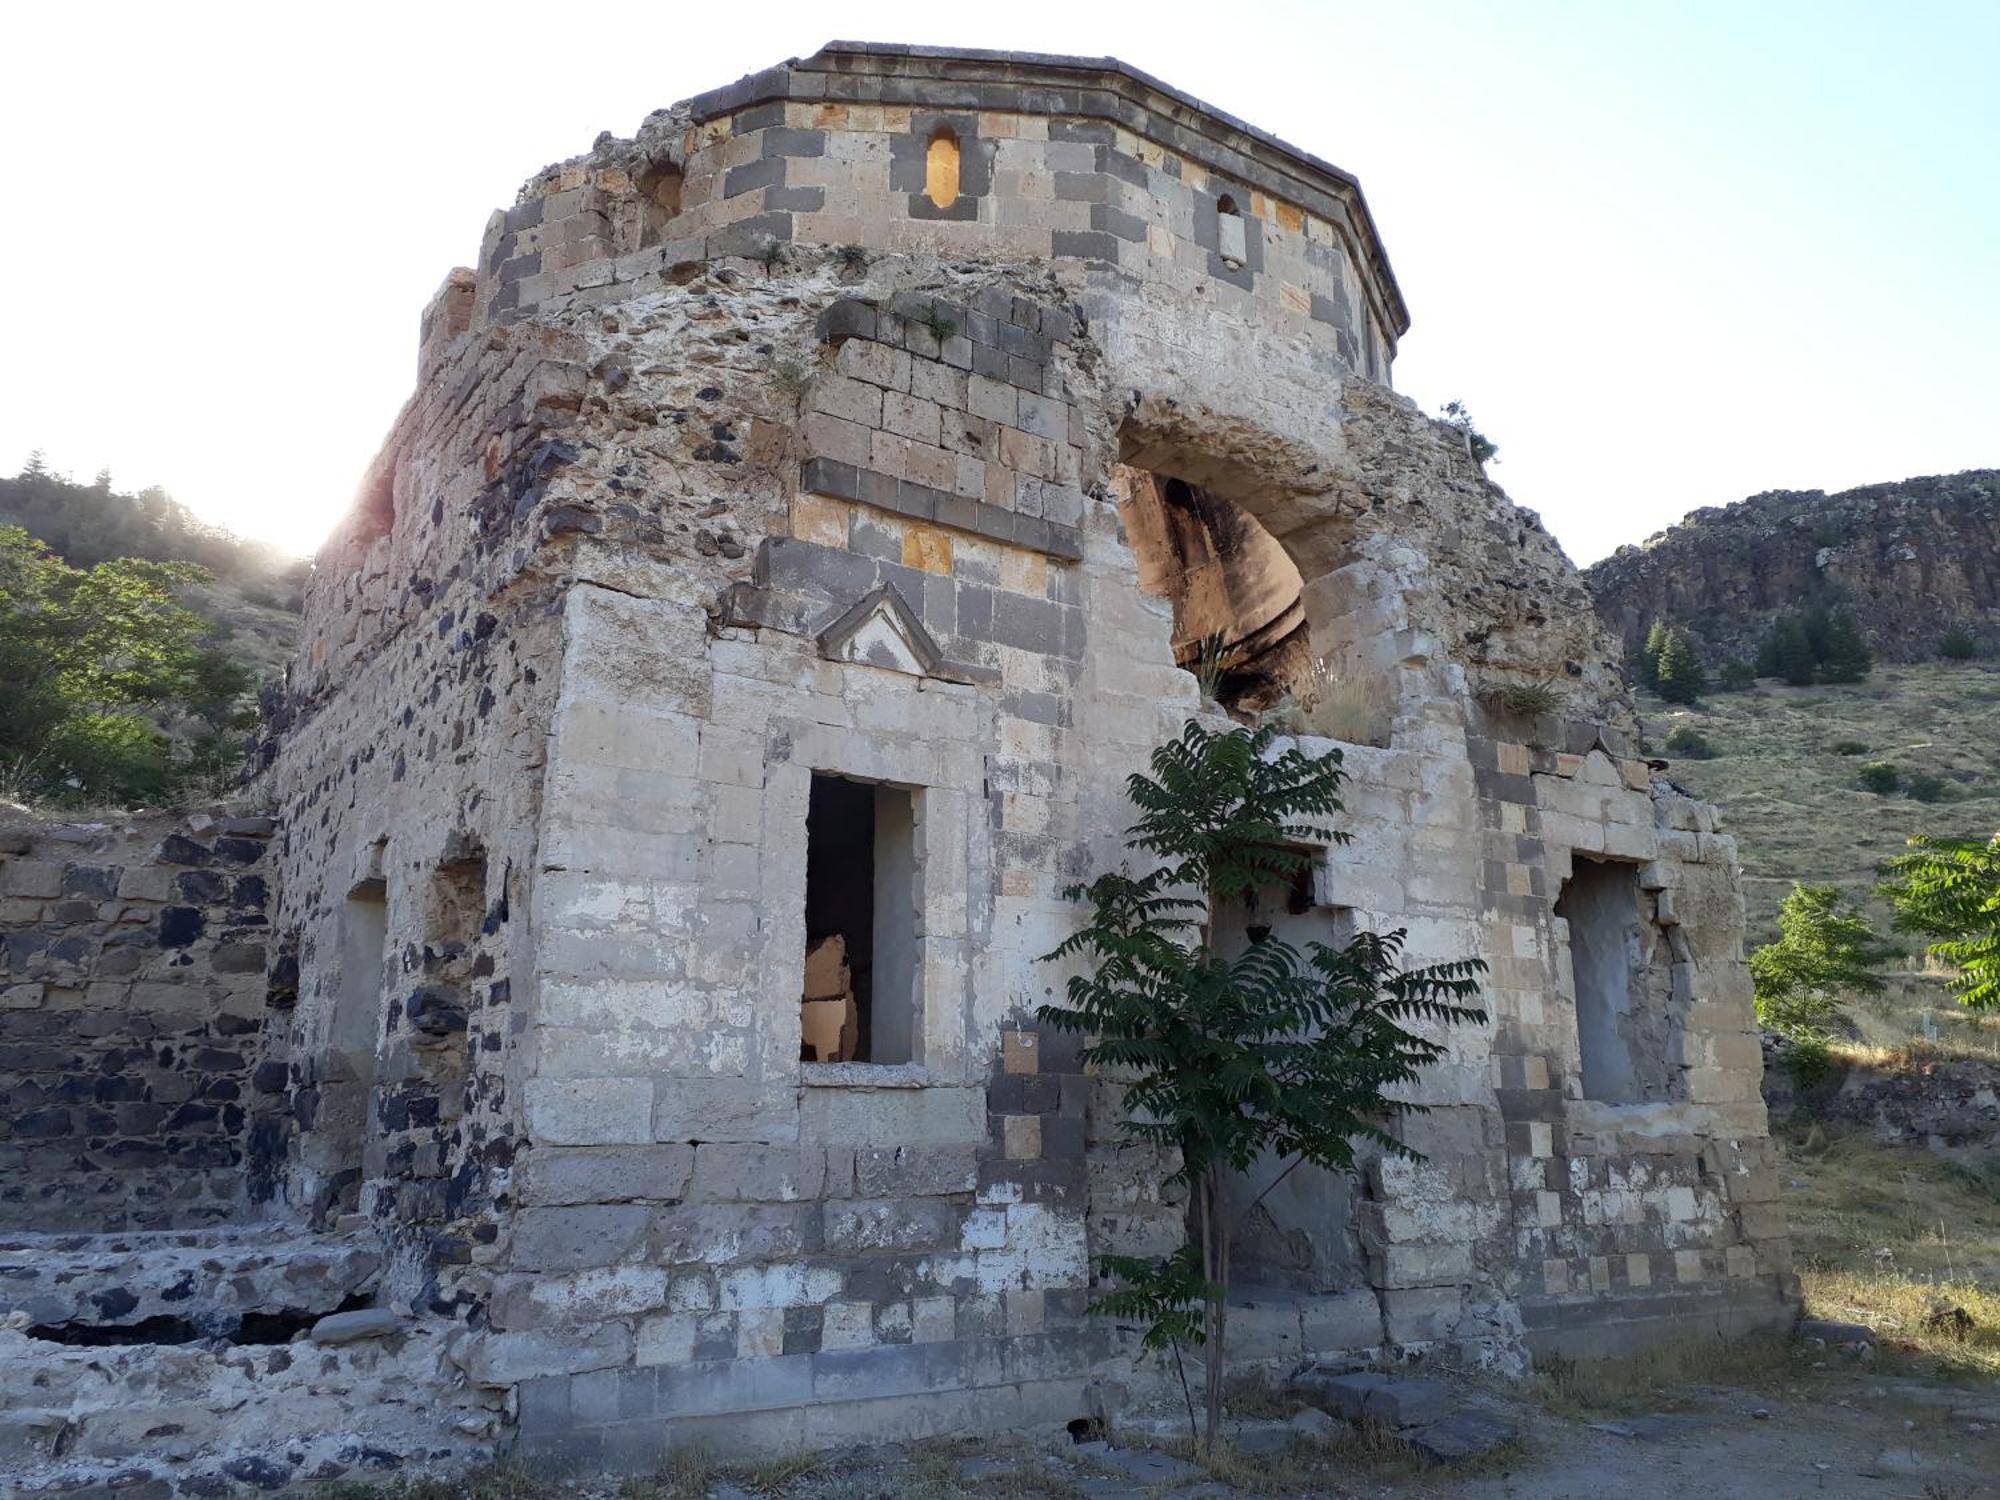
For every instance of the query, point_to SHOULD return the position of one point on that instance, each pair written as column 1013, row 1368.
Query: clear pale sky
column 1669, row 253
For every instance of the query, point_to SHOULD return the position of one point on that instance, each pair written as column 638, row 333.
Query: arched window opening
column 941, row 169
column 1231, row 238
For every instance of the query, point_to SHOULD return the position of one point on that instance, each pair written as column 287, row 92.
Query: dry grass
column 1662, row 1377
column 1794, row 805
column 488, row 1482
column 1883, row 1232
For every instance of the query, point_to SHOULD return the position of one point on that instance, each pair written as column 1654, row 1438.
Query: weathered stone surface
column 131, row 1008
column 1906, row 556
column 363, row 1323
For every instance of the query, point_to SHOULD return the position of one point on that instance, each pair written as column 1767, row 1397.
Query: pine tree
column 1949, row 890
column 1649, row 655
column 1229, row 1058
column 1846, row 657
column 1680, row 675
column 1787, row 652
column 1823, row 952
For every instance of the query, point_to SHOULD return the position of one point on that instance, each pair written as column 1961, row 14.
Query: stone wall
column 1081, row 159
column 133, row 1001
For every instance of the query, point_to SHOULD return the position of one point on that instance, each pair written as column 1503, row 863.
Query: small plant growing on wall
column 1273, row 1052
column 1526, row 700
column 1482, row 448
column 936, row 323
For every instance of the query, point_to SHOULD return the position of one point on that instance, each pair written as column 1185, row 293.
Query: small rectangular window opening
column 859, row 1002
column 1607, row 931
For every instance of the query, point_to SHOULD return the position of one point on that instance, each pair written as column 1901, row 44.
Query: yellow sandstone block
column 818, row 519
column 927, row 547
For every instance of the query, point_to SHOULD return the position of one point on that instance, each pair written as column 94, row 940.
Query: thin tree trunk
column 1215, row 1256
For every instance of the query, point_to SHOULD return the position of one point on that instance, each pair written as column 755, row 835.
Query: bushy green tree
column 1823, row 951
column 86, row 656
column 1678, row 669
column 1736, row 675
column 1948, row 890
column 1230, row 1058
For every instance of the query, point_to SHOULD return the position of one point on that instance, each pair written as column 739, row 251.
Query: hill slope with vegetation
column 1892, row 1140
column 134, row 639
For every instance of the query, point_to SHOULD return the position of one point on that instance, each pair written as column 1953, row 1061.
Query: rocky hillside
column 1913, row 559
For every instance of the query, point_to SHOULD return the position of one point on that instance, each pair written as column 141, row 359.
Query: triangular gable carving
column 881, row 630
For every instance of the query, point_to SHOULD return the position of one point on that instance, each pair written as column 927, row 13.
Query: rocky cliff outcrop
column 1912, row 558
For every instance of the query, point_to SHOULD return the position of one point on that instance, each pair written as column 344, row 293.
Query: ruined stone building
column 809, row 513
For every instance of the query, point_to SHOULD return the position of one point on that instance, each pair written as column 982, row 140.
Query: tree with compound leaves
column 1228, row 1058
column 1823, row 951
column 1948, row 890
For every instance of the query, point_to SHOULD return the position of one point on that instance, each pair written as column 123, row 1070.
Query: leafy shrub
column 1690, row 743
column 1958, row 644
column 1736, row 675
column 1848, row 747
column 1272, row 1052
column 1526, row 700
column 1923, row 786
column 1811, row 1063
column 1880, row 777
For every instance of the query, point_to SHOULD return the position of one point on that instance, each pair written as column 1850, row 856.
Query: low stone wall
column 132, row 1000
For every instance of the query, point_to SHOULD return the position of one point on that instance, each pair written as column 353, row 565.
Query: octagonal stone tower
column 811, row 510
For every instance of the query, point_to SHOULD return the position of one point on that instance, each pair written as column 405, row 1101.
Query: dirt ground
column 1813, row 1428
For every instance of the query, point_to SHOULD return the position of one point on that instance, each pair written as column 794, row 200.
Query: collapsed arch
column 1265, row 572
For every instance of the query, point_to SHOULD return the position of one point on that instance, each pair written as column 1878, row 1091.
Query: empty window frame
column 859, row 1001
column 1624, row 1020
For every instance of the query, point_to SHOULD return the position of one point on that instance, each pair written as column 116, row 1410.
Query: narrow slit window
column 941, row 170
column 859, row 1001
column 1231, row 241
